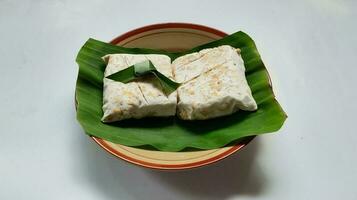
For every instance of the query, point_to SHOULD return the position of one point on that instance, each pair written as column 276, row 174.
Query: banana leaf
column 172, row 134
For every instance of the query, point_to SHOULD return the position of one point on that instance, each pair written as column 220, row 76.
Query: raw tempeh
column 214, row 84
column 143, row 97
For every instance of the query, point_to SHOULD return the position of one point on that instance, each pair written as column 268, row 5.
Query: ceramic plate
column 170, row 37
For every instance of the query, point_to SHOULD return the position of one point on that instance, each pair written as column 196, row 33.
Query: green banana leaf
column 142, row 69
column 172, row 134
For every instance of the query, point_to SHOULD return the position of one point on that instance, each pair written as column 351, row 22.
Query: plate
column 169, row 37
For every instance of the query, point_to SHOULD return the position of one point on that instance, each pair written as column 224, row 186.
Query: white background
column 309, row 47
